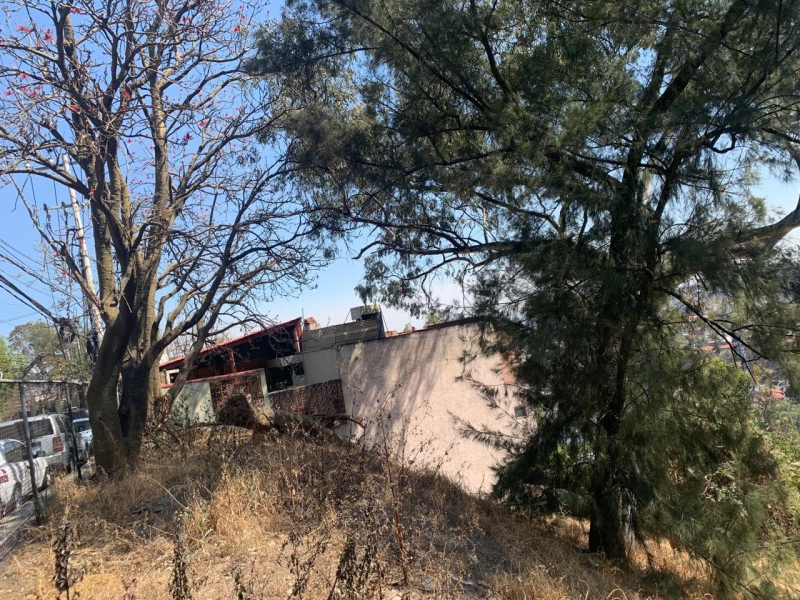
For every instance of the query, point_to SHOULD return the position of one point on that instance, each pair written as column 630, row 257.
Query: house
column 271, row 349
column 414, row 394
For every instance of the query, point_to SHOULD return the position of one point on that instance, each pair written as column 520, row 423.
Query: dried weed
column 290, row 517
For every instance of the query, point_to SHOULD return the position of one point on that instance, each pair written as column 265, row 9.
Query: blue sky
column 334, row 295
column 328, row 302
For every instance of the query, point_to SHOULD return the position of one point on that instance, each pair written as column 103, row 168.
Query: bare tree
column 190, row 224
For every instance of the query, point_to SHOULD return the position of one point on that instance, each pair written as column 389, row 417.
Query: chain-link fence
column 42, row 397
column 44, row 434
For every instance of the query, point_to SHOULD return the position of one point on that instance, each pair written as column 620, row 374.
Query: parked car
column 64, row 430
column 15, row 475
column 78, row 413
column 85, row 431
column 51, row 438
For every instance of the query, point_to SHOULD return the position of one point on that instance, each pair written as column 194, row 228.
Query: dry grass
column 290, row 517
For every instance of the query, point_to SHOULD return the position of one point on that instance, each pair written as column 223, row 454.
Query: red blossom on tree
column 161, row 269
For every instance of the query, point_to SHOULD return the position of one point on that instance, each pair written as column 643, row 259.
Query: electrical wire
column 25, row 298
column 18, row 318
column 8, row 253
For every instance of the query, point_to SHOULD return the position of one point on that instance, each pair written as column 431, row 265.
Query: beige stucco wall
column 320, row 366
column 415, row 393
column 193, row 404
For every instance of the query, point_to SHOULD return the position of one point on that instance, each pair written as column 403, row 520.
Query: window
column 520, row 412
column 15, row 452
column 38, row 428
column 281, row 378
column 11, row 430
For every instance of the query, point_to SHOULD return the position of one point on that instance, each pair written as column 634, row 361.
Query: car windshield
column 82, row 425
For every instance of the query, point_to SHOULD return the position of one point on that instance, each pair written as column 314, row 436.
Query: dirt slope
column 290, row 517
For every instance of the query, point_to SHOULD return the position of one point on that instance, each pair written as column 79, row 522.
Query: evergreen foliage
column 9, row 361
column 587, row 169
column 62, row 357
column 10, row 366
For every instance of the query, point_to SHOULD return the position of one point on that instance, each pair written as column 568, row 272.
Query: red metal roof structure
column 166, row 386
column 242, row 339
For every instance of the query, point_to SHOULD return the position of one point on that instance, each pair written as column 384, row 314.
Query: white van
column 51, row 438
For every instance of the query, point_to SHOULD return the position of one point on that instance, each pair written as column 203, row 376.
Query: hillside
column 291, row 517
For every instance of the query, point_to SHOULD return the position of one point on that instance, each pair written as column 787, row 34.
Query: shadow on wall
column 417, row 392
column 200, row 401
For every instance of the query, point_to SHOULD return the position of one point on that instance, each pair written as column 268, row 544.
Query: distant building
column 416, row 393
column 275, row 349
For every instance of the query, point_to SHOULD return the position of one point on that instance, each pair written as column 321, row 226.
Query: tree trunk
column 102, row 395
column 156, row 406
column 133, row 410
column 607, row 529
column 118, row 426
column 105, row 420
column 610, row 513
column 118, row 431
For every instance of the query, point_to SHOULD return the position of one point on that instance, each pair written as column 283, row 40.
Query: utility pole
column 37, row 503
column 72, row 434
column 97, row 322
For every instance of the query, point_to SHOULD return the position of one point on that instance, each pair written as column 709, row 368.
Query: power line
column 21, row 266
column 18, row 318
column 25, row 298
column 65, row 326
column 15, row 250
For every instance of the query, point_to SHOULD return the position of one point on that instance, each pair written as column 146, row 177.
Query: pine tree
column 587, row 169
